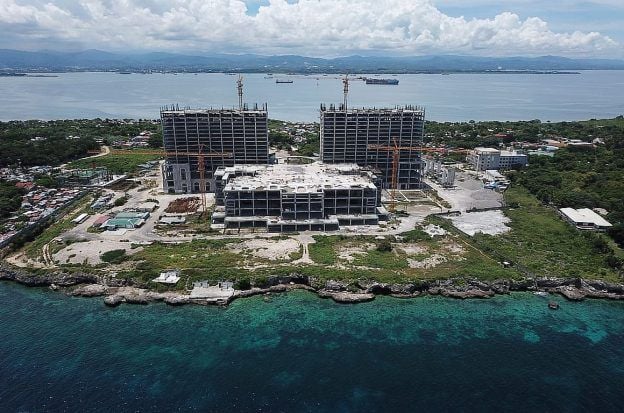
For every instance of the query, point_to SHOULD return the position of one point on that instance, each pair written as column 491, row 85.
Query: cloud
column 312, row 27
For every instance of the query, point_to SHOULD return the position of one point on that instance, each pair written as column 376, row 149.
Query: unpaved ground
column 267, row 248
column 428, row 262
column 468, row 194
column 434, row 230
column 90, row 251
column 487, row 222
column 350, row 252
column 411, row 249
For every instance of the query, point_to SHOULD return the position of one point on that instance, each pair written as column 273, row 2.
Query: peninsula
column 104, row 225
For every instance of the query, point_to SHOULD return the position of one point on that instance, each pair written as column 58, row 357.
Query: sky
column 320, row 28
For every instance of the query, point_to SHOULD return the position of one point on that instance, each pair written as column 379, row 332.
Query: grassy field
column 118, row 164
column 539, row 242
column 454, row 255
column 33, row 249
column 543, row 243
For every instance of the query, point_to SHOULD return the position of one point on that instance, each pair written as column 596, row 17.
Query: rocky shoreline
column 116, row 292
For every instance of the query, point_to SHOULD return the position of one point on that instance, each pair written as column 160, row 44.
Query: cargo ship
column 370, row 81
column 283, row 81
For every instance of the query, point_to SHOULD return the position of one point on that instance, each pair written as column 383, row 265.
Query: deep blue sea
column 457, row 97
column 298, row 353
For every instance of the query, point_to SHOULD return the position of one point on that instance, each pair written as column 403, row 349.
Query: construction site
column 223, row 201
column 287, row 198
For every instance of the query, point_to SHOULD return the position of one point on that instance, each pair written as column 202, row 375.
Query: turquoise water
column 591, row 94
column 298, row 353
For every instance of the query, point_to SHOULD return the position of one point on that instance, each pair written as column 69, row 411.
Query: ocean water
column 298, row 353
column 457, row 97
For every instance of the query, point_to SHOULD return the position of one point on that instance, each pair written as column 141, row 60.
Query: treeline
column 10, row 198
column 33, row 142
column 581, row 178
column 472, row 134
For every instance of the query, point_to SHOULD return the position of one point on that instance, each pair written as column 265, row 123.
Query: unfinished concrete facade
column 242, row 137
column 285, row 198
column 346, row 137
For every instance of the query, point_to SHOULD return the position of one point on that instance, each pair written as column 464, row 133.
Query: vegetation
column 471, row 134
column 34, row 142
column 10, row 198
column 323, row 251
column 118, row 164
column 114, row 256
column 59, row 226
column 121, row 201
column 392, row 266
column 544, row 245
column 581, row 179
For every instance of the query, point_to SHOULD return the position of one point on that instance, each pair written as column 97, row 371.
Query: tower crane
column 201, row 165
column 396, row 149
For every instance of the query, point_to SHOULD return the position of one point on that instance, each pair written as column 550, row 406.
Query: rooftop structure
column 228, row 136
column 483, row 159
column 168, row 277
column 584, row 218
column 84, row 177
column 347, row 136
column 127, row 220
column 287, row 197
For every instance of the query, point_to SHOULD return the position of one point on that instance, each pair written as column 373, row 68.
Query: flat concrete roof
column 307, row 178
column 486, row 150
column 398, row 109
column 213, row 111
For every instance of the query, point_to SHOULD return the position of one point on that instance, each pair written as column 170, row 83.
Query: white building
column 483, row 159
column 584, row 218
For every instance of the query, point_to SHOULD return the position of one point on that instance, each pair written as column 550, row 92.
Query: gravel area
column 488, row 222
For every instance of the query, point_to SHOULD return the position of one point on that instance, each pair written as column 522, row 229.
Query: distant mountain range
column 97, row 60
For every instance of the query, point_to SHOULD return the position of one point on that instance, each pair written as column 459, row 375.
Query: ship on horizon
column 370, row 81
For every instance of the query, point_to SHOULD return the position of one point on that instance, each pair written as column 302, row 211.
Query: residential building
column 483, row 159
column 350, row 136
column 225, row 137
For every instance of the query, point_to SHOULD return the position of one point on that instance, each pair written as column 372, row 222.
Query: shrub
column 242, row 284
column 121, row 201
column 114, row 256
column 384, row 246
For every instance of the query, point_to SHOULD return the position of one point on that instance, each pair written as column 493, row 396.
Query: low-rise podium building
column 284, row 198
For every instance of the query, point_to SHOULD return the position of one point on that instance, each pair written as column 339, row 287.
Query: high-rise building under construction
column 224, row 137
column 359, row 135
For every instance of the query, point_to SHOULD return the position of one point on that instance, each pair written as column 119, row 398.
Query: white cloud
column 312, row 27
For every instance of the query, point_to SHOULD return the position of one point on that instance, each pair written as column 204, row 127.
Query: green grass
column 118, row 164
column 323, row 250
column 114, row 256
column 543, row 243
column 387, row 260
column 33, row 249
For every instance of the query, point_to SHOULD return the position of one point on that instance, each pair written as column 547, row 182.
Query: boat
column 553, row 305
column 283, row 81
column 541, row 293
column 370, row 81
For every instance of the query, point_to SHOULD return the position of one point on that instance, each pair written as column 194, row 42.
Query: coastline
column 116, row 292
